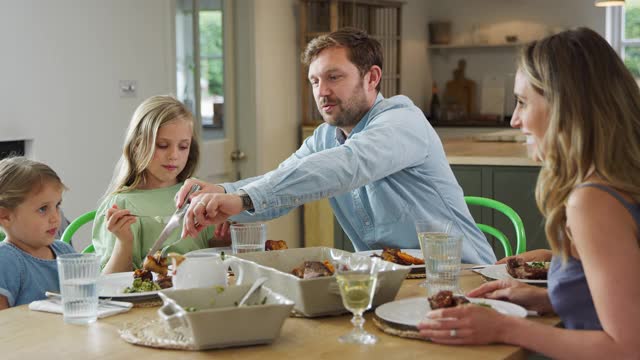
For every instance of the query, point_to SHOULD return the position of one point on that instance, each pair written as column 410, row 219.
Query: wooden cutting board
column 460, row 90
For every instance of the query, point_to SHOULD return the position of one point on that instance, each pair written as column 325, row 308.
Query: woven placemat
column 404, row 331
column 155, row 333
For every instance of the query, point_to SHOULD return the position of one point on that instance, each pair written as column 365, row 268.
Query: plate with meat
column 529, row 272
column 407, row 257
column 141, row 283
column 411, row 311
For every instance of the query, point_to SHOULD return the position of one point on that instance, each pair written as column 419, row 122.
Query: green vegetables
column 483, row 304
column 539, row 264
column 139, row 286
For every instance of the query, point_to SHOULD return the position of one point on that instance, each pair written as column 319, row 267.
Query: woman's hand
column 119, row 223
column 517, row 292
column 528, row 256
column 466, row 324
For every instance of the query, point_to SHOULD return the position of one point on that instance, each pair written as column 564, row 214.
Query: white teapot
column 203, row 270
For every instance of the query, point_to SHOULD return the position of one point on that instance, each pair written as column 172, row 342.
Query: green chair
column 2, row 235
column 75, row 225
column 521, row 241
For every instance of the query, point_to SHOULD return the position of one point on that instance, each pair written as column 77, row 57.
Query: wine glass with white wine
column 357, row 277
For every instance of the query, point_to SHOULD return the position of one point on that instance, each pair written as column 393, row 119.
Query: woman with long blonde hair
column 581, row 106
column 160, row 152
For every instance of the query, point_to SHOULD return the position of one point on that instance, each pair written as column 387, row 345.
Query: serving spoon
column 256, row 285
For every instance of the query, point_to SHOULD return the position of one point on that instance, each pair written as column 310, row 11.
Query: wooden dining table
column 25, row 334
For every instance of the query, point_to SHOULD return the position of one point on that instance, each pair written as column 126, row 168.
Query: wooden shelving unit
column 380, row 19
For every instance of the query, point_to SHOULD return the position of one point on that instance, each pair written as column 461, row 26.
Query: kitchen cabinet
column 512, row 185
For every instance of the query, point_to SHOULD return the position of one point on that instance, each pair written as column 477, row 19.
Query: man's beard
column 349, row 113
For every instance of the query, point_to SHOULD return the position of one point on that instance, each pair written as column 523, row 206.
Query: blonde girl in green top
column 160, row 152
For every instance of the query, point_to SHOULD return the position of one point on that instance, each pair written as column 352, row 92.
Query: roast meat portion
column 445, row 299
column 520, row 269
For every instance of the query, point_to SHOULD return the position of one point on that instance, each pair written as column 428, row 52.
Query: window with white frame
column 199, row 62
column 623, row 33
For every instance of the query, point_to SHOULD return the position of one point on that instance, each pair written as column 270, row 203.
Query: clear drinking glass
column 248, row 237
column 357, row 278
column 442, row 251
column 78, row 274
column 430, row 228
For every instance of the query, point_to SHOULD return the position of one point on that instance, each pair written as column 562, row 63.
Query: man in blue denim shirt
column 378, row 160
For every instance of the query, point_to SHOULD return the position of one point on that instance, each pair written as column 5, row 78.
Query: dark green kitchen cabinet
column 512, row 185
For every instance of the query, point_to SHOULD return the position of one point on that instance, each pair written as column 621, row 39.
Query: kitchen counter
column 463, row 148
column 472, row 152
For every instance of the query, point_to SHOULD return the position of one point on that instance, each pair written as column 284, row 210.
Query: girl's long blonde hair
column 140, row 142
column 594, row 122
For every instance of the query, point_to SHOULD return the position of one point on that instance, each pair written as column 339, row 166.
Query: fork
column 174, row 222
column 104, row 302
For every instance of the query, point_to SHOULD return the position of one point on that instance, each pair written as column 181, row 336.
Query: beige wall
column 277, row 103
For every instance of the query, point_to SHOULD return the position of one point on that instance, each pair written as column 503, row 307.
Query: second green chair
column 521, row 241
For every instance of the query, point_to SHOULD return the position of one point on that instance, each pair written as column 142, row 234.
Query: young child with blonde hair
column 30, row 197
column 160, row 152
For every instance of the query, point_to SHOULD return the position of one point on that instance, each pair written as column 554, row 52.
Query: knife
column 174, row 222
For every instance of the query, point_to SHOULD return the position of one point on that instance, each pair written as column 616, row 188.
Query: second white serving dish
column 319, row 296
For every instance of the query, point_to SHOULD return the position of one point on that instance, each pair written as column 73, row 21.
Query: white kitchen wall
column 493, row 19
column 61, row 62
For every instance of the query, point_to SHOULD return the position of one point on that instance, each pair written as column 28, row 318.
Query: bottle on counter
column 434, row 110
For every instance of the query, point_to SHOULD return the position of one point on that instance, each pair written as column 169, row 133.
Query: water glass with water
column 441, row 246
column 248, row 237
column 78, row 274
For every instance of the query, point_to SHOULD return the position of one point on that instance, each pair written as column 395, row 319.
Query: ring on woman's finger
column 201, row 203
column 453, row 332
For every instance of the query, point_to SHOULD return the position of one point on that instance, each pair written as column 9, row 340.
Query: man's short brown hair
column 363, row 50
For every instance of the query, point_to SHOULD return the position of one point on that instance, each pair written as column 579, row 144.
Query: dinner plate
column 113, row 285
column 412, row 311
column 413, row 252
column 499, row 272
